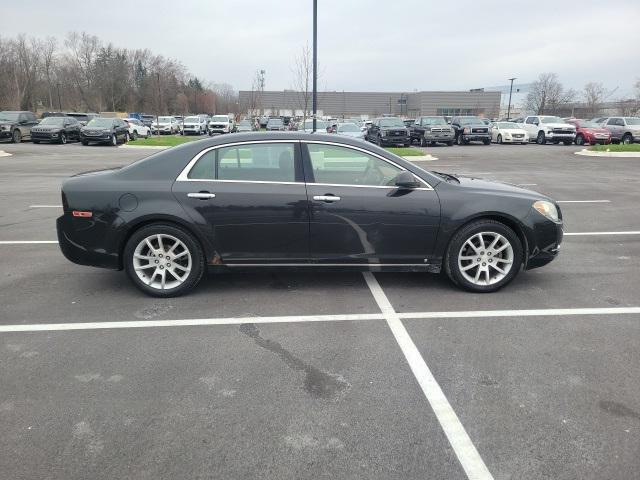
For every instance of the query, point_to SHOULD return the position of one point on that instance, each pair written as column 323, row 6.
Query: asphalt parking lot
column 307, row 375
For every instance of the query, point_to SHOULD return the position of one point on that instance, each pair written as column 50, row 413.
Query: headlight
column 547, row 209
column 466, row 130
column 106, row 131
column 427, row 130
column 4, row 127
column 383, row 133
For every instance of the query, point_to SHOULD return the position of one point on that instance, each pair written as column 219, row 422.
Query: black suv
column 56, row 129
column 388, row 131
column 105, row 130
column 471, row 129
column 16, row 125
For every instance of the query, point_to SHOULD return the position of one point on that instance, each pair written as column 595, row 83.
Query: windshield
column 320, row 124
column 53, row 121
column 192, row 120
column 507, row 125
column 100, row 122
column 551, row 120
column 10, row 116
column 348, row 127
column 632, row 120
column 219, row 118
column 470, row 121
column 391, row 122
column 164, row 119
column 433, row 121
column 587, row 124
column 244, row 123
column 274, row 121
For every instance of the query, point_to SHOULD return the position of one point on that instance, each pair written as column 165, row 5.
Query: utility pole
column 262, row 72
column 510, row 92
column 59, row 101
column 315, row 62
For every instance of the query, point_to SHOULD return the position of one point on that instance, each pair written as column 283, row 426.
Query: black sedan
column 278, row 200
column 105, row 130
column 56, row 129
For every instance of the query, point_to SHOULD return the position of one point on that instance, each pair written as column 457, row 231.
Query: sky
column 369, row 45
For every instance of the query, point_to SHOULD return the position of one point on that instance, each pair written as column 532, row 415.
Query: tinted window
column 532, row 120
column 612, row 121
column 346, row 166
column 204, row 168
column 270, row 162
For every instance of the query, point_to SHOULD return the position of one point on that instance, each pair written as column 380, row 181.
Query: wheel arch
column 142, row 222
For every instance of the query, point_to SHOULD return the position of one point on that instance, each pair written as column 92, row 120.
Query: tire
column 379, row 141
column 191, row 265
column 450, row 143
column 459, row 140
column 423, row 142
column 541, row 139
column 126, row 137
column 627, row 139
column 580, row 140
column 467, row 240
column 134, row 135
column 16, row 137
column 85, row 143
column 486, row 141
column 114, row 140
column 499, row 139
column 63, row 138
column 567, row 142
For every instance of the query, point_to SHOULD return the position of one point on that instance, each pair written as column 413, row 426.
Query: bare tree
column 547, row 95
column 594, row 95
column 84, row 50
column 48, row 49
column 303, row 80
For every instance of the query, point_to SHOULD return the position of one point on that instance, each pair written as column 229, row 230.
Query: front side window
column 345, row 166
column 269, row 162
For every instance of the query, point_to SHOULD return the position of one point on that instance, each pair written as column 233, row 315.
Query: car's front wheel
column 483, row 256
column 627, row 139
column 541, row 139
column 114, row 139
column 17, row 136
column 164, row 260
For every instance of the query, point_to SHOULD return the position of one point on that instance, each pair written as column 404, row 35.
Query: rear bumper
column 76, row 245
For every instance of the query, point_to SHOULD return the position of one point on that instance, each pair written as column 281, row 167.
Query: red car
column 590, row 132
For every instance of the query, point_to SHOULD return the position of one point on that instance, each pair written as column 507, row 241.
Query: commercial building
column 373, row 104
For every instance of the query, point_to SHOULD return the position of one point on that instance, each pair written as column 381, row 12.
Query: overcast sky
column 365, row 45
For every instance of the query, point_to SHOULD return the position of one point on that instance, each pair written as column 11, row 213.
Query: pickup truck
column 545, row 128
column 388, row 131
column 431, row 130
column 470, row 129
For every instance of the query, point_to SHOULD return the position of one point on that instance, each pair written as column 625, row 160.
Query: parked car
column 245, row 126
column 56, row 129
column 205, row 118
column 16, row 125
column 623, row 129
column 194, row 125
column 388, row 131
column 590, row 132
column 53, row 114
column 431, row 130
column 137, row 128
column 166, row 125
column 509, row 132
column 105, row 130
column 349, row 130
column 147, row 120
column 546, row 128
column 470, row 129
column 263, row 121
column 247, row 202
column 83, row 118
column 221, row 124
column 321, row 126
column 275, row 124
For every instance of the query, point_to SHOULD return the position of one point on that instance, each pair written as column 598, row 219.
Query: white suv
column 545, row 128
column 194, row 125
column 221, row 124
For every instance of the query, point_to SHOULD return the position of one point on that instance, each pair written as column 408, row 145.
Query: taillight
column 82, row 214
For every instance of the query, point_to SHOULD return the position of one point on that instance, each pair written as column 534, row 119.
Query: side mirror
column 406, row 180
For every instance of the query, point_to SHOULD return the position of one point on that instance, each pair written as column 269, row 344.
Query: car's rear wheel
column 627, row 139
column 483, row 256
column 499, row 139
column 134, row 135
column 567, row 142
column 17, row 136
column 164, row 260
column 579, row 140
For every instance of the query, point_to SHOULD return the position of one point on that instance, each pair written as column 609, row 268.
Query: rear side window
column 272, row 162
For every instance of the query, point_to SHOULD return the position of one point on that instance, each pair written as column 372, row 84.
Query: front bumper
column 476, row 137
column 103, row 137
column 46, row 136
column 388, row 139
column 561, row 137
column 5, row 133
column 545, row 244
column 513, row 139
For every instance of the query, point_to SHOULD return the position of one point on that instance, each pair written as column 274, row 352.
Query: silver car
column 350, row 130
column 623, row 129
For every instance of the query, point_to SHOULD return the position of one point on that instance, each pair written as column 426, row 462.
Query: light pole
column 315, row 62
column 59, row 101
column 510, row 91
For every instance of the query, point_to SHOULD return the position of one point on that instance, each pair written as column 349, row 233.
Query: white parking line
column 526, row 184
column 462, row 445
column 576, row 234
column 25, row 242
column 543, row 312
column 584, row 201
column 45, row 206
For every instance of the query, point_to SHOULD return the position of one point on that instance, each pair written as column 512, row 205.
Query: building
column 373, row 104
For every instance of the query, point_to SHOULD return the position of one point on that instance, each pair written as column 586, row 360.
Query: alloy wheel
column 162, row 261
column 63, row 138
column 485, row 258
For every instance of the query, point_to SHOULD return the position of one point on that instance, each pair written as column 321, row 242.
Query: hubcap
column 485, row 258
column 162, row 261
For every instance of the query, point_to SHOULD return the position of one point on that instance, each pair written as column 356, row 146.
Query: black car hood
column 482, row 184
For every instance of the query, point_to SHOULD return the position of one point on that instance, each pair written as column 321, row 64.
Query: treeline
column 83, row 73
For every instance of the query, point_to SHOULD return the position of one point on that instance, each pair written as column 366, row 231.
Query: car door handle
column 326, row 198
column 201, row 195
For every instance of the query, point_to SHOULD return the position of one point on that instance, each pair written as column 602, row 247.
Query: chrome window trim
column 389, row 187
column 184, row 174
column 373, row 154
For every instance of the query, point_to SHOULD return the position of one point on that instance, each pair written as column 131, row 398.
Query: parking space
column 313, row 375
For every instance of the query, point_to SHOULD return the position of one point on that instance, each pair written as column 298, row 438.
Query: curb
column 4, row 154
column 422, row 158
column 591, row 153
column 148, row 147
